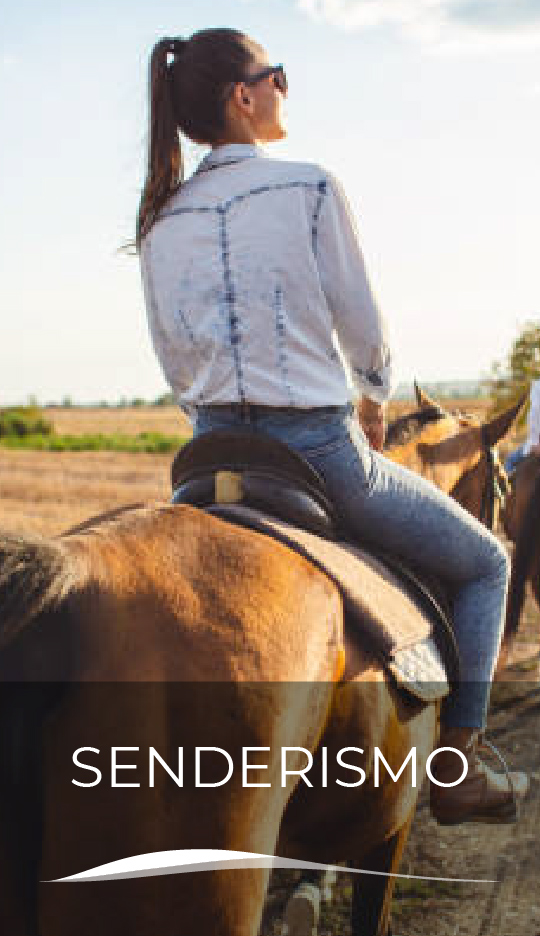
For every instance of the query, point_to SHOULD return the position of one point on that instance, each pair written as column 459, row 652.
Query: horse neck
column 443, row 452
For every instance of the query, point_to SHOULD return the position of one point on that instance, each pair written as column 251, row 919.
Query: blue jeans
column 402, row 512
column 514, row 458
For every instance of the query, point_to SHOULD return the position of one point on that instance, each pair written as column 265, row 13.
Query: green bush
column 26, row 427
column 147, row 442
column 19, row 422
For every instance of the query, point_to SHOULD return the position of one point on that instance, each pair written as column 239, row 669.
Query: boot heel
column 506, row 814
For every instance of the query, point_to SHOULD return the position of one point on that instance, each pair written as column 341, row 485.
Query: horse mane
column 89, row 525
column 406, row 427
column 524, row 552
column 35, row 576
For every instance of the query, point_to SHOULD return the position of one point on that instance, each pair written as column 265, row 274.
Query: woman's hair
column 188, row 81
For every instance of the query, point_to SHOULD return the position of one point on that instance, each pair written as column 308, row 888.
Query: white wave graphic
column 187, row 860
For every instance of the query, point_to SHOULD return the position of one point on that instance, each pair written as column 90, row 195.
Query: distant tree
column 166, row 399
column 512, row 378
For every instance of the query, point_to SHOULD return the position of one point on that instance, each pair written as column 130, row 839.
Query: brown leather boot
column 483, row 795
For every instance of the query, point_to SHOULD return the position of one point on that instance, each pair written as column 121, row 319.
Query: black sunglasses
column 278, row 74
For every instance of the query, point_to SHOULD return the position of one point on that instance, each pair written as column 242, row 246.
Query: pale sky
column 427, row 110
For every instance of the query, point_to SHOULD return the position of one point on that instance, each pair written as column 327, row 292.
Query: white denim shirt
column 256, row 289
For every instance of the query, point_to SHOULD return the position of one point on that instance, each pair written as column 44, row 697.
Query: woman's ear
column 242, row 99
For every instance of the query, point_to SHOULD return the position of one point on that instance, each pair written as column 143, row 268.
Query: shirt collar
column 230, row 153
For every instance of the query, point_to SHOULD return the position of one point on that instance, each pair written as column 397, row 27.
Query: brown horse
column 163, row 627
column 521, row 521
column 443, row 455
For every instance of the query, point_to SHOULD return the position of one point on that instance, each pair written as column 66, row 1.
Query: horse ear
column 424, row 401
column 422, row 398
column 498, row 427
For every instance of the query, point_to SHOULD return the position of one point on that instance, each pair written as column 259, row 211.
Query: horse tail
column 524, row 553
column 36, row 576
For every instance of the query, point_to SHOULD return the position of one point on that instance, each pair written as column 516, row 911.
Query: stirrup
column 483, row 744
column 507, row 811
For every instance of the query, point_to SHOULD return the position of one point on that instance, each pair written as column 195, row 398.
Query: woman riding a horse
column 258, row 305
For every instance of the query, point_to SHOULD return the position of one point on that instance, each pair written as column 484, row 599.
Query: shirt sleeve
column 360, row 327
column 534, row 414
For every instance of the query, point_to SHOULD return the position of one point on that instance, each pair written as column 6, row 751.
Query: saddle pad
column 392, row 623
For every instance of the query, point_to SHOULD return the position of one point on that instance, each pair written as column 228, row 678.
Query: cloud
column 496, row 15
column 443, row 22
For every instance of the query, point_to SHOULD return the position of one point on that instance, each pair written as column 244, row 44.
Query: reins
column 493, row 491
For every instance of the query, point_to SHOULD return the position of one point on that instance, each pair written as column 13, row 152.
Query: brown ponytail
column 187, row 83
column 165, row 170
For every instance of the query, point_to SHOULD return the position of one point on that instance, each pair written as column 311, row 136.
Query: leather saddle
column 259, row 482
column 224, row 467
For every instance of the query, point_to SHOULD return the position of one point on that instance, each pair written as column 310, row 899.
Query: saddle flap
column 392, row 623
column 421, row 669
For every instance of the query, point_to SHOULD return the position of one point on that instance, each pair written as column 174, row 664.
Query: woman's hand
column 372, row 418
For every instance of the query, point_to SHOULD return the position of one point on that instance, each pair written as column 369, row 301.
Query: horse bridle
column 493, row 490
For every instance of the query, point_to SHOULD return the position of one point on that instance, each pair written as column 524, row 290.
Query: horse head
column 455, row 451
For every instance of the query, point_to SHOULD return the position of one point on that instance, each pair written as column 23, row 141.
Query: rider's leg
column 390, row 506
column 395, row 508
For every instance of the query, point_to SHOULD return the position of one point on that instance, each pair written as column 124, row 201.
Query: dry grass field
column 47, row 492
column 130, row 420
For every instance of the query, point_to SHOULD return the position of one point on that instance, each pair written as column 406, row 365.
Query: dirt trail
column 507, row 855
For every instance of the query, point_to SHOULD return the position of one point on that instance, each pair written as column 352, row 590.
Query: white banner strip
column 212, row 859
